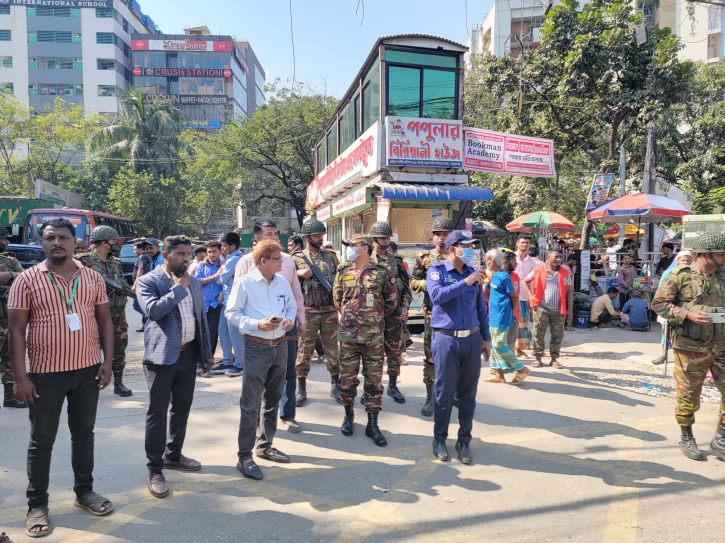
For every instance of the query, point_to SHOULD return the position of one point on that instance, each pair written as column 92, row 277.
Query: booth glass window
column 332, row 144
column 347, row 127
column 321, row 162
column 371, row 101
column 357, row 117
column 404, row 91
column 421, row 59
column 439, row 94
column 334, row 234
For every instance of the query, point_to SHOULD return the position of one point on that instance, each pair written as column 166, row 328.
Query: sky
column 330, row 42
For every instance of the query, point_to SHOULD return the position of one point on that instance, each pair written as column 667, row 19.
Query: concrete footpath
column 568, row 456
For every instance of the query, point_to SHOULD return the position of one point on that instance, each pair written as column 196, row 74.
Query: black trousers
column 213, row 316
column 175, row 384
column 81, row 389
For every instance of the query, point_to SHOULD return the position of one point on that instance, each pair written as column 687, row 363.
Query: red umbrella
column 640, row 208
column 540, row 219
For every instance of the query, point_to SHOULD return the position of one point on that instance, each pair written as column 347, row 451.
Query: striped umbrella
column 640, row 208
column 540, row 220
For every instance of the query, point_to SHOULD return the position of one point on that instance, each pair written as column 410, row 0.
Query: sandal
column 37, row 518
column 494, row 379
column 520, row 376
column 522, row 354
column 537, row 364
column 94, row 504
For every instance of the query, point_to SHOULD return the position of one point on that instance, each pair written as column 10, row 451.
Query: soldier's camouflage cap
column 709, row 243
column 358, row 238
column 4, row 234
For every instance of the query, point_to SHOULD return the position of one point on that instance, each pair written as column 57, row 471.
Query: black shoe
column 251, row 470
column 335, row 388
column 717, row 445
column 373, row 432
column 182, row 464
column 464, row 453
column 455, row 399
column 429, row 405
column 274, row 455
column 688, row 445
column 139, row 330
column 118, row 386
column 301, row 397
column 348, row 427
column 393, row 390
column 440, row 451
column 10, row 400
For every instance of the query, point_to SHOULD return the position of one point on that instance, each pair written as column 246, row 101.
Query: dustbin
column 581, row 319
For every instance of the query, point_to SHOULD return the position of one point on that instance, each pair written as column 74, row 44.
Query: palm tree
column 145, row 133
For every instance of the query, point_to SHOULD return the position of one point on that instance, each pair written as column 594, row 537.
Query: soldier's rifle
column 119, row 288
column 317, row 272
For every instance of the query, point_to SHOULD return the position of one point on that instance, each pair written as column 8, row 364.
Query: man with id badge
column 365, row 294
column 63, row 307
column 460, row 336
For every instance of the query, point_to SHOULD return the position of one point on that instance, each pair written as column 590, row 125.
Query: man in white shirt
column 525, row 264
column 262, row 306
column 611, row 257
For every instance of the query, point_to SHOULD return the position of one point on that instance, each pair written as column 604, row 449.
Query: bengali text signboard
column 432, row 143
column 509, row 154
column 358, row 161
column 360, row 197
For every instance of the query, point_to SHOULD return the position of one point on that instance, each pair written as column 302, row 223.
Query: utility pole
column 649, row 180
column 622, row 184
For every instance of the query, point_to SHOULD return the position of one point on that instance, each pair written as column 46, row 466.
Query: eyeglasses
column 275, row 258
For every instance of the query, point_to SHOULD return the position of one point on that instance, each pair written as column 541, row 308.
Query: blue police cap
column 458, row 237
column 153, row 241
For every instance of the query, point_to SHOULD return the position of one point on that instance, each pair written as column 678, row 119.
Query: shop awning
column 406, row 191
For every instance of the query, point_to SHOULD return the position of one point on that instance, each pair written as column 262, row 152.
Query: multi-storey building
column 80, row 51
column 514, row 25
column 212, row 78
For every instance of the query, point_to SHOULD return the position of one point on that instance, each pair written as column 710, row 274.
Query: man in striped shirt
column 63, row 306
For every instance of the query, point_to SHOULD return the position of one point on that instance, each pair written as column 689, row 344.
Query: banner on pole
column 600, row 189
column 509, row 154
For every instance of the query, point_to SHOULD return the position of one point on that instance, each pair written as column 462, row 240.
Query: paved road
column 560, row 458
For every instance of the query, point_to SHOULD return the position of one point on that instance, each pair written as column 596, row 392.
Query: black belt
column 456, row 333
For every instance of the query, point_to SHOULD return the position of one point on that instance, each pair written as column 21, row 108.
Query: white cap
column 327, row 244
column 683, row 253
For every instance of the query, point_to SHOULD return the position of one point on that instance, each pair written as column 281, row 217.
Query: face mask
column 383, row 247
column 3, row 248
column 352, row 254
column 116, row 249
column 467, row 256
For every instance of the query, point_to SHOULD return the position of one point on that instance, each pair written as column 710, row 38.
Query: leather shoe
column 182, row 464
column 440, row 451
column 156, row 484
column 464, row 453
column 273, row 455
column 251, row 470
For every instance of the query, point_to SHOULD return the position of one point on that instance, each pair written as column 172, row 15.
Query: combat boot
column 428, row 406
column 373, row 432
column 717, row 445
column 301, row 397
column 335, row 388
column 118, row 386
column 688, row 445
column 10, row 400
column 347, row 427
column 394, row 391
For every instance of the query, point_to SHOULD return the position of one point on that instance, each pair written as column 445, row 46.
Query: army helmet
column 443, row 224
column 313, row 226
column 380, row 229
column 4, row 234
column 103, row 233
column 709, row 243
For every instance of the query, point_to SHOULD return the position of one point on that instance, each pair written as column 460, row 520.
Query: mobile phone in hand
column 276, row 320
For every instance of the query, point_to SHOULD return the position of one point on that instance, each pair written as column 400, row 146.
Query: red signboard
column 227, row 73
column 181, row 45
column 137, row 71
column 496, row 152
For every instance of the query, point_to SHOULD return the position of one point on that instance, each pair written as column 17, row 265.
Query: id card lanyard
column 73, row 321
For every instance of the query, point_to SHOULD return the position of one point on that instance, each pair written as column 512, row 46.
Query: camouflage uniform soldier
column 365, row 294
column 441, row 228
column 685, row 298
column 10, row 268
column 320, row 310
column 103, row 259
column 394, row 335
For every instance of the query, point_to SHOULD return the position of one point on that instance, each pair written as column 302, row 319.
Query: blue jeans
column 232, row 342
column 287, row 406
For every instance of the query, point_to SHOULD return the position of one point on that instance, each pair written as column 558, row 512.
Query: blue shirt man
column 231, row 339
column 211, row 289
column 460, row 334
column 502, row 313
column 638, row 311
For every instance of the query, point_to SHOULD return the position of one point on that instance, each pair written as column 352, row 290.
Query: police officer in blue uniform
column 460, row 334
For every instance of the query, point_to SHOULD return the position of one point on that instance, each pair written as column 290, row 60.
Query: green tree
column 94, row 181
column 272, row 151
column 156, row 204
column 147, row 134
column 14, row 120
column 588, row 85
